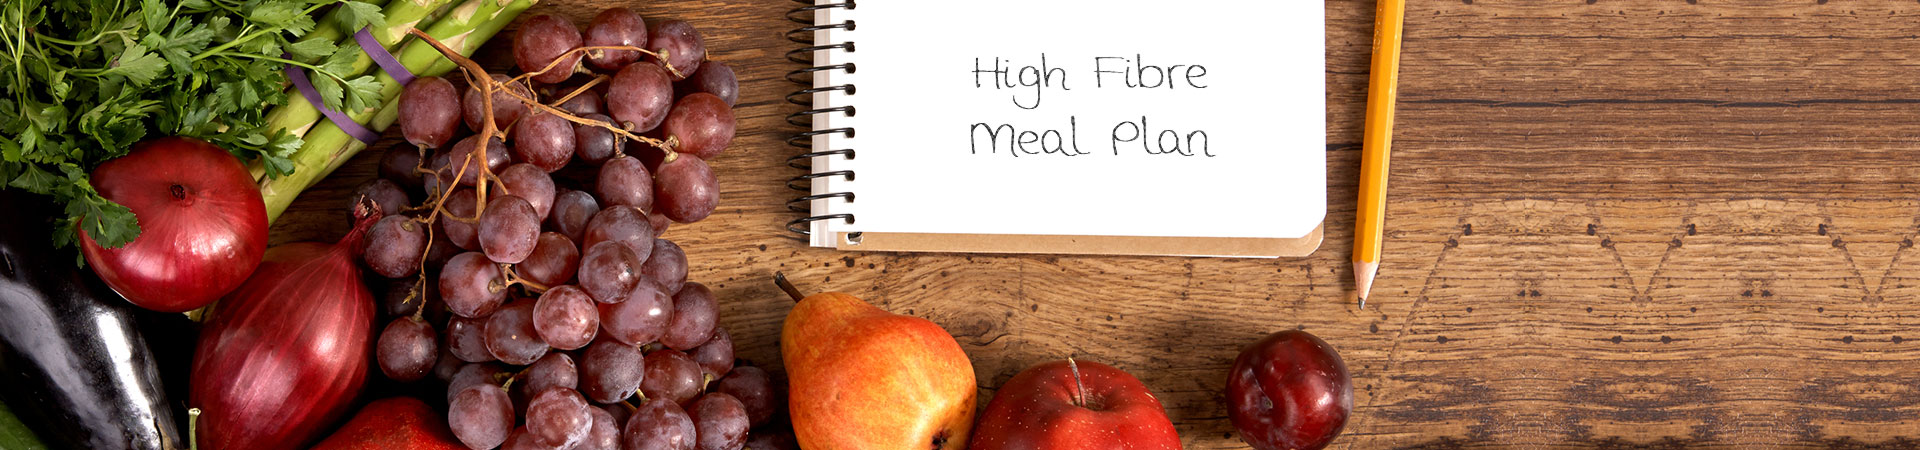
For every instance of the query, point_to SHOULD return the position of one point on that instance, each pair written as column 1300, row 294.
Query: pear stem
column 780, row 279
column 1079, row 390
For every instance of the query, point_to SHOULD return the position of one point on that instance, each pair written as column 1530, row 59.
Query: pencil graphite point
column 1363, row 273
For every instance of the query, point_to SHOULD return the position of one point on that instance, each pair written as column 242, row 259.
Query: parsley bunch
column 82, row 80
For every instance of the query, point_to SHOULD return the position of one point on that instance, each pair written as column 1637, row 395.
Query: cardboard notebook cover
column 1083, row 245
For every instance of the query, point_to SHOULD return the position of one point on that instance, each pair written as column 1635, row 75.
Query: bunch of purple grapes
column 532, row 277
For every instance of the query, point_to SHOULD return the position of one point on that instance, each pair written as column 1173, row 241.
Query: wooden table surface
column 1611, row 224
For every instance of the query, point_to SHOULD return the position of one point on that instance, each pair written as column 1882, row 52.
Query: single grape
column 553, row 261
column 395, row 245
column 595, row 145
column 625, row 181
column 703, row 123
column 471, row 375
column 445, row 366
column 471, row 286
column 530, row 183
column 660, row 223
column 429, row 112
column 585, row 103
column 543, row 39
column 385, row 194
column 659, row 426
column 401, row 164
column 720, row 421
column 495, row 157
column 608, row 271
column 435, row 183
column 544, row 140
column 467, row 338
column 624, row 224
column 714, row 78
column 511, row 336
column 639, row 320
column 403, row 297
column 673, row 376
column 520, row 439
column 715, row 356
column 694, row 315
column 779, row 440
column 619, row 412
column 441, row 251
column 460, row 204
column 571, row 212
column 405, row 351
column 509, row 229
column 481, row 416
column 559, row 417
column 685, row 190
column 506, row 107
column 566, row 318
column 610, row 371
column 667, row 267
column 605, row 434
column 615, row 27
column 640, row 96
column 556, row 370
column 754, row 388
column 680, row 43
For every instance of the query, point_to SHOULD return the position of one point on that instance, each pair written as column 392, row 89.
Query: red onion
column 203, row 225
column 282, row 357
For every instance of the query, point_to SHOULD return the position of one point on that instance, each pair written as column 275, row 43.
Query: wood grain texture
column 1620, row 224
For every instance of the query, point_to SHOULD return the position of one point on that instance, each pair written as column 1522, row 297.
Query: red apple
column 203, row 225
column 1289, row 391
column 1071, row 405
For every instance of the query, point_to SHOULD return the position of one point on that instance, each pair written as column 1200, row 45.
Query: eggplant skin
column 73, row 363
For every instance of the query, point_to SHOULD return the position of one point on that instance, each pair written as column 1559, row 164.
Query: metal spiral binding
column 804, row 119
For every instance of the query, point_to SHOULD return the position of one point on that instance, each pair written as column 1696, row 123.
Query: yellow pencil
column 1382, row 90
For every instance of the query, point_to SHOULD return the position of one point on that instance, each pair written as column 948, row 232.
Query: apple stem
column 193, row 428
column 1079, row 390
column 780, row 279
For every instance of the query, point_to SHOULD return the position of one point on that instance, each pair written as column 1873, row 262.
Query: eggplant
column 73, row 362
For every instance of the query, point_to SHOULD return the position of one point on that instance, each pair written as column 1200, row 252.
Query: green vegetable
column 82, row 80
column 400, row 16
column 464, row 28
column 15, row 435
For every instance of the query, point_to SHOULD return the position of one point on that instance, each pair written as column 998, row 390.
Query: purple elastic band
column 392, row 66
column 300, row 81
column 379, row 54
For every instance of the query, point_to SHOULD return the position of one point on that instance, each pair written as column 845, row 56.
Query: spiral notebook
column 1142, row 127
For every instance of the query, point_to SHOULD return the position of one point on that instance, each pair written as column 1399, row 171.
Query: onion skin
column 203, row 225
column 283, row 357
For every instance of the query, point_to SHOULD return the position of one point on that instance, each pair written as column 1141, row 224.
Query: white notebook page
column 1237, row 86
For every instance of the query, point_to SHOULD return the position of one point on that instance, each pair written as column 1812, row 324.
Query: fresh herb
column 82, row 80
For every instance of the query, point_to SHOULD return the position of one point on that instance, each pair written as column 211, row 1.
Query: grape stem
column 780, row 279
column 477, row 76
column 584, row 51
column 581, row 90
column 513, row 278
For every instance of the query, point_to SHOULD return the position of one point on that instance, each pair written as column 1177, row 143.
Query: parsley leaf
column 139, row 66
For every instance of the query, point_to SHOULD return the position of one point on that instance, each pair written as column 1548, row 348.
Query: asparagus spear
column 298, row 116
column 465, row 27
